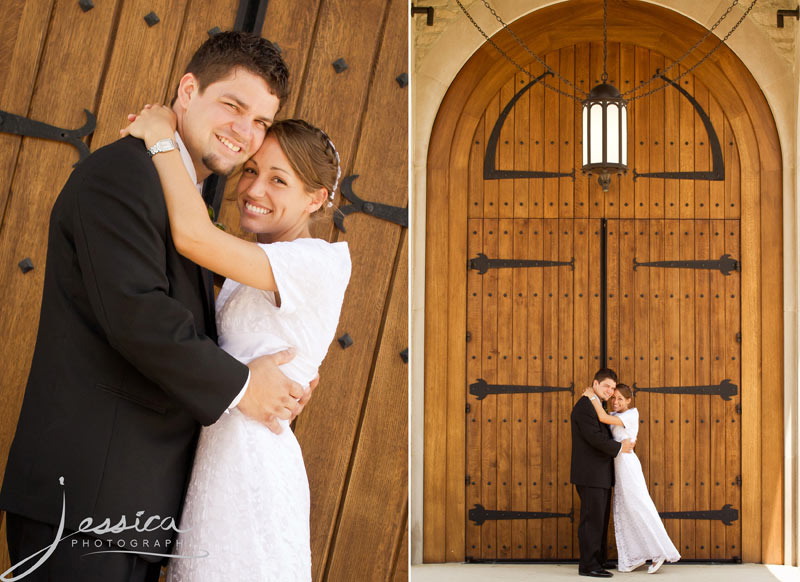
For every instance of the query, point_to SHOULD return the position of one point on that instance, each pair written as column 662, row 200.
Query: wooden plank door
column 673, row 335
column 532, row 344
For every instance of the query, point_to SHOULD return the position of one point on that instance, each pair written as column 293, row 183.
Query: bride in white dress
column 247, row 505
column 638, row 528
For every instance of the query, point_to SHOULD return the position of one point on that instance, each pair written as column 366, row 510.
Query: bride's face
column 618, row 402
column 272, row 199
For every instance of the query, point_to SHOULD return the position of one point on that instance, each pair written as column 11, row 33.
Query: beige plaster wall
column 771, row 54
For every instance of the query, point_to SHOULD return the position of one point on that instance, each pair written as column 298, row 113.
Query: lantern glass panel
column 596, row 126
column 624, row 135
column 612, row 135
column 585, row 137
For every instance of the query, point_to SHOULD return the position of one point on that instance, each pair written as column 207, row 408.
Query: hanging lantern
column 605, row 133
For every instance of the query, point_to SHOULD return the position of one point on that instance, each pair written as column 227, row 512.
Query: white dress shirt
column 187, row 161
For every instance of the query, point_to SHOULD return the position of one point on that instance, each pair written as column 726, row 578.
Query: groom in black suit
column 126, row 367
column 592, row 472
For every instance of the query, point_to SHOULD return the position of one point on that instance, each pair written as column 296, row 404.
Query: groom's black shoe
column 599, row 573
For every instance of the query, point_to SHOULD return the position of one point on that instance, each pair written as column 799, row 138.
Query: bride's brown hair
column 310, row 153
column 626, row 391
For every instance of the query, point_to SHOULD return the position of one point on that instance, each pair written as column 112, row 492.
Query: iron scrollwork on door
column 490, row 171
column 717, row 172
column 18, row 125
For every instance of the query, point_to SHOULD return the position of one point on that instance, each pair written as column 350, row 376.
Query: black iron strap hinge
column 18, row 125
column 482, row 389
column 726, row 515
column 393, row 214
column 479, row 514
column 725, row 264
column 725, row 389
column 482, row 263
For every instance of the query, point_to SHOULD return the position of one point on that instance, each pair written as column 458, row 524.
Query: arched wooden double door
column 664, row 278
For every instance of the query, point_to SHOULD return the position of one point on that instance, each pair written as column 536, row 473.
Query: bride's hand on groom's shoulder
column 271, row 395
column 152, row 123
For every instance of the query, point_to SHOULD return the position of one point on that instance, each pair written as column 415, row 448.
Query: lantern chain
column 605, row 51
column 604, row 76
column 698, row 63
column 530, row 52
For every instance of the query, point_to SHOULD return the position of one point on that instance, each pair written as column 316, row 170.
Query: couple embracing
column 109, row 473
column 602, row 459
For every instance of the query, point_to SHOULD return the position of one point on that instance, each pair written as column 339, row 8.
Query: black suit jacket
column 125, row 367
column 593, row 449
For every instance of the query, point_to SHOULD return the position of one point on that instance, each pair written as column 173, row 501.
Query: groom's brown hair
column 605, row 374
column 222, row 53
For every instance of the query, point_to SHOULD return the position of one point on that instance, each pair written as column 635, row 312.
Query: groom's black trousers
column 593, row 527
column 68, row 563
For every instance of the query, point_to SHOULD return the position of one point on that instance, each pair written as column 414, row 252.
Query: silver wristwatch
column 162, row 145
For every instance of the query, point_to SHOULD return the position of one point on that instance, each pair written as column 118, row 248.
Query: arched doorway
column 503, row 346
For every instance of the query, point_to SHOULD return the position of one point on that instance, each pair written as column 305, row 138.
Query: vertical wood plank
column 734, row 447
column 550, row 378
column 489, row 436
column 656, row 130
column 522, row 147
column 642, row 141
column 505, row 294
column 566, row 356
column 475, row 295
column 519, row 417
column 656, row 303
column 535, row 421
column 717, row 445
column 475, row 193
column 672, row 148
column 672, row 377
column 702, row 485
column 567, row 122
column 25, row 27
column 686, row 148
column 552, row 103
column 643, row 344
column 506, row 150
column 688, row 354
column 581, row 185
column 373, row 512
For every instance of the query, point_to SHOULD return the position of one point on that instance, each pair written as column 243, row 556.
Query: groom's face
column 604, row 389
column 225, row 124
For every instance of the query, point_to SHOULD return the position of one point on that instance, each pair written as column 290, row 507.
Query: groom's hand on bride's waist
column 271, row 395
column 627, row 445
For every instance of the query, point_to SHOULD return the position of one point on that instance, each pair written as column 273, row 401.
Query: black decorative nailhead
column 152, row 19
column 340, row 65
column 345, row 341
column 402, row 80
column 214, row 31
column 404, row 355
column 86, row 5
column 26, row 265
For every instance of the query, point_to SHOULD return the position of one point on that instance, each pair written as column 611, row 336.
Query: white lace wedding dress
column 638, row 528
column 247, row 505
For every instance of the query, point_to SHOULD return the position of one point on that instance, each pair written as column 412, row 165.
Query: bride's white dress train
column 638, row 528
column 247, row 505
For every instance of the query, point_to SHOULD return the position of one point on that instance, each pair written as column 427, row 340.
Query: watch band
column 162, row 145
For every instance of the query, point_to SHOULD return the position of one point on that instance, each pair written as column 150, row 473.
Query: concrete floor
column 546, row 572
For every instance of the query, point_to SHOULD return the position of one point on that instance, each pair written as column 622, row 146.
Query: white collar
column 187, row 161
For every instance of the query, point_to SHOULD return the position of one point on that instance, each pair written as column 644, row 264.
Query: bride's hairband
column 338, row 171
